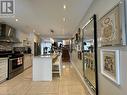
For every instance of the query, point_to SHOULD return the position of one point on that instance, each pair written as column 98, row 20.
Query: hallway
column 68, row 84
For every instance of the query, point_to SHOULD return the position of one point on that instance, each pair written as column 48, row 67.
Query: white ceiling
column 44, row 15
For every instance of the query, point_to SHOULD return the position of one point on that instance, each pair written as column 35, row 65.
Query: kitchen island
column 42, row 68
column 45, row 66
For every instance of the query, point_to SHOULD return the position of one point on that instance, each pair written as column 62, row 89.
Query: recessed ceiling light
column 16, row 19
column 64, row 6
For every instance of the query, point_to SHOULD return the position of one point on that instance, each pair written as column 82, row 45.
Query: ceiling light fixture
column 16, row 19
column 64, row 6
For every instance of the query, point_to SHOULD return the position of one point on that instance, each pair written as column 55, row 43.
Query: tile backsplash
column 5, row 47
column 19, row 49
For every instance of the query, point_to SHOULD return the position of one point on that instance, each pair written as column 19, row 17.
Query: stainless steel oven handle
column 14, row 58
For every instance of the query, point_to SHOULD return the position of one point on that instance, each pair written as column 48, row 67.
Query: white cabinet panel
column 42, row 68
column 3, row 77
column 3, row 68
column 27, row 60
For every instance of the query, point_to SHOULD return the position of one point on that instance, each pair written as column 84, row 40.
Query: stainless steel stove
column 15, row 62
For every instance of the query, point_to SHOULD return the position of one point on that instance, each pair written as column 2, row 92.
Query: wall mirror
column 90, row 54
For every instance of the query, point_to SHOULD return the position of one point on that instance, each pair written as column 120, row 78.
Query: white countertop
column 2, row 58
column 43, row 56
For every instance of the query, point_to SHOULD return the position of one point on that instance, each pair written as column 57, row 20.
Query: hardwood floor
column 68, row 84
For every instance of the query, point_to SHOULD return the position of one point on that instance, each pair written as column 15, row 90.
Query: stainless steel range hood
column 9, row 40
column 7, row 34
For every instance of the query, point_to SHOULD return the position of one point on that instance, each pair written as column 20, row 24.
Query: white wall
column 78, row 63
column 34, row 38
column 21, row 36
column 98, row 7
column 29, row 36
column 107, row 87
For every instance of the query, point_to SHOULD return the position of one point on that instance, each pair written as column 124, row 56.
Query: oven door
column 15, row 63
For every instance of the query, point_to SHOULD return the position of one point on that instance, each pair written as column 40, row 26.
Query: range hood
column 7, row 34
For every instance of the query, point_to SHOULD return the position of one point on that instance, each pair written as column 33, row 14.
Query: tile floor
column 68, row 84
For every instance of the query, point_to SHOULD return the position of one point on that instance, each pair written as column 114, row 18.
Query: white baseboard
column 91, row 93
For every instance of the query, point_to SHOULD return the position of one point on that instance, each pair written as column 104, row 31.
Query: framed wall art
column 110, row 64
column 112, row 27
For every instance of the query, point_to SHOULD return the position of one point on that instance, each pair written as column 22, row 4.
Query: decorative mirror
column 90, row 54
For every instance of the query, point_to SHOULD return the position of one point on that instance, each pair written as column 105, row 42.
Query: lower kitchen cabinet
column 3, row 69
column 27, row 60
